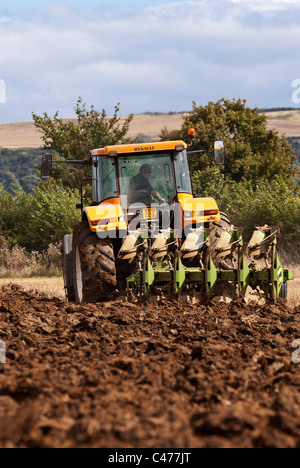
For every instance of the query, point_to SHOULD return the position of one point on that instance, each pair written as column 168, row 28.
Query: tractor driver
column 140, row 188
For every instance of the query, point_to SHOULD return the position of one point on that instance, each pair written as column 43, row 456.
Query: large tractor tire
column 94, row 269
column 68, row 267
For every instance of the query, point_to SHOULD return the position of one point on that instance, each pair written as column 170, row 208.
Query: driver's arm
column 157, row 196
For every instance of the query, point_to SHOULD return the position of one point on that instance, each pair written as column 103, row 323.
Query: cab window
column 183, row 179
column 104, row 179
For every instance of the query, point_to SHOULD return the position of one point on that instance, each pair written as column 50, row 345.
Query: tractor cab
column 141, row 174
column 149, row 185
column 143, row 184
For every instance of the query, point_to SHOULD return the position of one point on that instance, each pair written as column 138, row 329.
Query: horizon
column 170, row 113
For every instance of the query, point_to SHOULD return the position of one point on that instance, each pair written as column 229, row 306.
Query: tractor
column 147, row 233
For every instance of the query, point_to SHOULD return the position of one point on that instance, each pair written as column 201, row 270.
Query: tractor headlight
column 121, row 219
column 188, row 214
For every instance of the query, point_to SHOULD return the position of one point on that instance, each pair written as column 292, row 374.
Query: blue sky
column 147, row 55
column 21, row 5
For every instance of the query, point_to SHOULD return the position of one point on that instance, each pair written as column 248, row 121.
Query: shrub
column 53, row 214
column 34, row 221
column 275, row 202
column 16, row 262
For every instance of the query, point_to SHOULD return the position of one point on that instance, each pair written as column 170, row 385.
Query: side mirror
column 219, row 153
column 46, row 166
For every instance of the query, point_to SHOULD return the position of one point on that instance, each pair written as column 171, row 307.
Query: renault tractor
column 146, row 232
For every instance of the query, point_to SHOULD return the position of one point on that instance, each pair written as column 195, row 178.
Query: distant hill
column 25, row 135
column 21, row 143
column 286, row 122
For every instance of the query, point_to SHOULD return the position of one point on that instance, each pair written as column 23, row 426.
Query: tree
column 173, row 135
column 73, row 139
column 29, row 182
column 10, row 182
column 253, row 152
column 22, row 163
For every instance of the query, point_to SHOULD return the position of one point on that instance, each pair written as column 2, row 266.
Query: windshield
column 183, row 179
column 146, row 179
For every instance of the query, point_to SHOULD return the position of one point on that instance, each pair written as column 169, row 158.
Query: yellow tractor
column 147, row 233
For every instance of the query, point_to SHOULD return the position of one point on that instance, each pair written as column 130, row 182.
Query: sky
column 147, row 55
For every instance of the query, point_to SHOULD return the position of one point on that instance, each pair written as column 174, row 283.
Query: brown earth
column 147, row 375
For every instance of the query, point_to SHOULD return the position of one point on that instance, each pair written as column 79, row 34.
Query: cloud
column 157, row 58
column 267, row 5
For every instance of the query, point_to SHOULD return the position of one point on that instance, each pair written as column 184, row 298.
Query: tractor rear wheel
column 94, row 269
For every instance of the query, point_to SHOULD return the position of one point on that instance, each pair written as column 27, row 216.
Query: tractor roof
column 140, row 148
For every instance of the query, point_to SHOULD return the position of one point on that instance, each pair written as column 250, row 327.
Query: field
column 24, row 134
column 285, row 122
column 126, row 374
column 146, row 374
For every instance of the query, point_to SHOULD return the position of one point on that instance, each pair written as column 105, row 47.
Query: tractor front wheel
column 94, row 269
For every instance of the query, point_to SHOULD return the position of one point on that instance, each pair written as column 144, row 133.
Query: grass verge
column 50, row 287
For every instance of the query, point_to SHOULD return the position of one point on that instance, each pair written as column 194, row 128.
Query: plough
column 167, row 266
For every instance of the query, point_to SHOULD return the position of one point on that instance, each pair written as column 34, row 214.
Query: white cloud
column 268, row 5
column 156, row 58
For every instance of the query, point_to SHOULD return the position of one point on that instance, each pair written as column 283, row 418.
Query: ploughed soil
column 162, row 374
